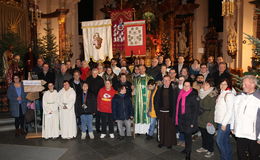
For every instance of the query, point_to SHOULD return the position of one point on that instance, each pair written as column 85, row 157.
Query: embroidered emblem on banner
column 135, row 36
column 97, row 41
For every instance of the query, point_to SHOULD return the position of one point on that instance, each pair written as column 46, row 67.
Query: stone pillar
column 98, row 4
column 200, row 23
column 72, row 28
column 245, row 19
column 172, row 40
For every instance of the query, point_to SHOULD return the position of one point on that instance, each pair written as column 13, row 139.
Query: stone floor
column 108, row 149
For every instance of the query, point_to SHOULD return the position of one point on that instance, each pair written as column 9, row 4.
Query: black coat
column 49, row 77
column 217, row 78
column 127, row 84
column 158, row 101
column 91, row 103
column 78, row 89
column 190, row 117
column 154, row 71
column 122, row 108
column 95, row 84
column 176, row 67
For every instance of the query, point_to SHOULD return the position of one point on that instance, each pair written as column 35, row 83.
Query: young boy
column 122, row 111
column 151, row 112
column 87, row 107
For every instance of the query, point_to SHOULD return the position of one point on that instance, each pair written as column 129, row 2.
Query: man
column 246, row 124
column 123, row 81
column 61, row 76
column 69, row 67
column 172, row 73
column 116, row 69
column 76, row 84
column 221, row 73
column 95, row 83
column 211, row 65
column 154, row 70
column 47, row 75
column 198, row 83
column 168, row 63
column 141, row 102
column 160, row 60
column 77, row 65
column 180, row 65
column 204, row 71
column 165, row 107
column 151, row 111
column 101, row 70
column 38, row 68
column 162, row 73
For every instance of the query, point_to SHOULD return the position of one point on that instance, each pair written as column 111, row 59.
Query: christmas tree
column 47, row 47
column 165, row 44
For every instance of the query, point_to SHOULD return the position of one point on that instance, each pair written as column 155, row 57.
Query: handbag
column 29, row 115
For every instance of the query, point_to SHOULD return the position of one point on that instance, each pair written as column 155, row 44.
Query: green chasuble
column 141, row 99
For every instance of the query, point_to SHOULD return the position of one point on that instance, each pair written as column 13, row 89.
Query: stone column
column 200, row 22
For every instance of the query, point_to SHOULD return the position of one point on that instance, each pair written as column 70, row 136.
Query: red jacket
column 104, row 100
column 84, row 73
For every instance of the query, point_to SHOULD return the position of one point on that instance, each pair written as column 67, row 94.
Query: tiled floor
column 109, row 149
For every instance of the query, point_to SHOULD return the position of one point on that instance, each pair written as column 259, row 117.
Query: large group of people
column 173, row 101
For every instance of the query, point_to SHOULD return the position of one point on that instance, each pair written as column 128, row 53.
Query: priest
column 142, row 121
column 67, row 98
column 164, row 104
column 50, row 126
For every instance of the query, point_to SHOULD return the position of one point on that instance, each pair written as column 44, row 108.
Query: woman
column 223, row 114
column 110, row 75
column 208, row 96
column 104, row 106
column 186, row 119
column 67, row 98
column 50, row 127
column 84, row 70
column 17, row 103
column 87, row 107
column 194, row 68
column 185, row 73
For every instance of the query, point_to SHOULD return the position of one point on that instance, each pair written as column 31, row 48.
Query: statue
column 232, row 42
column 182, row 40
column 7, row 58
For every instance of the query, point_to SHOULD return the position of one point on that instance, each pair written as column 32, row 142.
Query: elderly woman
column 17, row 103
column 208, row 96
column 50, row 100
column 186, row 118
column 67, row 98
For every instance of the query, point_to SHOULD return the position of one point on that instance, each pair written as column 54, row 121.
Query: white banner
column 97, row 39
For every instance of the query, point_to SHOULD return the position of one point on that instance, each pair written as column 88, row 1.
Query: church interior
column 54, row 29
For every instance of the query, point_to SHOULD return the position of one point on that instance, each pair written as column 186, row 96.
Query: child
column 122, row 111
column 104, row 105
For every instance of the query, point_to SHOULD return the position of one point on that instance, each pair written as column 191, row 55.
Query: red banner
column 118, row 18
column 135, row 38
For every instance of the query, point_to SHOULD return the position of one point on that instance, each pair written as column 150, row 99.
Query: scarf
column 203, row 93
column 182, row 95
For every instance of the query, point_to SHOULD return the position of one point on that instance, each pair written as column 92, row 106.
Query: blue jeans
column 86, row 121
column 152, row 127
column 223, row 142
